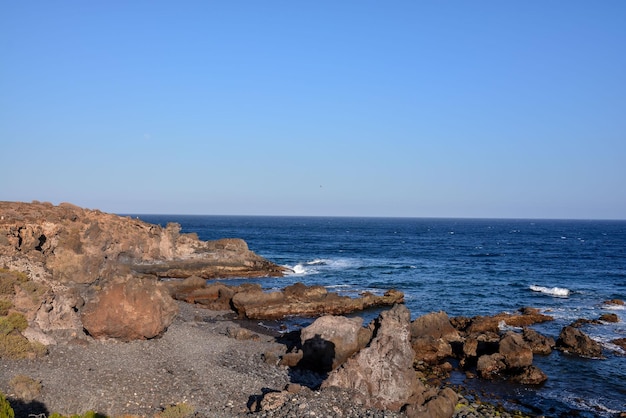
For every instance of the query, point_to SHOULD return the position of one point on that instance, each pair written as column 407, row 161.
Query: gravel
column 205, row 359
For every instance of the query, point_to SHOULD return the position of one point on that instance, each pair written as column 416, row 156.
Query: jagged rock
column 129, row 310
column 382, row 372
column 431, row 335
column 441, row 405
column 431, row 350
column 572, row 340
column 66, row 252
column 538, row 343
column 436, row 325
column 515, row 351
column 490, row 366
column 80, row 245
column 301, row 300
column 618, row 302
column 491, row 324
column 330, row 340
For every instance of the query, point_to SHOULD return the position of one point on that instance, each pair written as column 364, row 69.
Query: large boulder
column 431, row 335
column 516, row 352
column 574, row 341
column 382, row 372
column 539, row 344
column 331, row 340
column 129, row 309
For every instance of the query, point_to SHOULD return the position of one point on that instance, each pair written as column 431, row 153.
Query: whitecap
column 552, row 291
column 299, row 270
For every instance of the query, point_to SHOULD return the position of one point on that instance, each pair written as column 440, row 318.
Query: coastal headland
column 111, row 314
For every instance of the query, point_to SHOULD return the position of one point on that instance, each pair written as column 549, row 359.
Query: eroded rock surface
column 86, row 265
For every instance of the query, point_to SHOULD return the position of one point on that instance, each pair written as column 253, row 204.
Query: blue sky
column 349, row 108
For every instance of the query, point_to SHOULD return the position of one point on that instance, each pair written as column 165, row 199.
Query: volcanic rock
column 538, row 343
column 431, row 335
column 301, row 300
column 129, row 310
column 331, row 340
column 67, row 254
column 382, row 372
column 515, row 351
column 572, row 340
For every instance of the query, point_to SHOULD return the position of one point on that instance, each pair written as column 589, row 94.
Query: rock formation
column 301, row 300
column 574, row 341
column 330, row 340
column 126, row 310
column 383, row 371
column 85, row 265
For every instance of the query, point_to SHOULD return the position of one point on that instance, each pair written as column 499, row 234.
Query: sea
column 465, row 267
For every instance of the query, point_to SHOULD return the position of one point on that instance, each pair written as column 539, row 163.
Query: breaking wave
column 552, row 291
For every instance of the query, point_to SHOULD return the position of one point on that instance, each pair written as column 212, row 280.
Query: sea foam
column 552, row 291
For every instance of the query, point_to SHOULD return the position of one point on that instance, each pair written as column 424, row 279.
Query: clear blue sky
column 405, row 108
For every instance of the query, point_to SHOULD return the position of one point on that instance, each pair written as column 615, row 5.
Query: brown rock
column 538, row 343
column 526, row 317
column 129, row 309
column 334, row 339
column 431, row 350
column 300, row 300
column 436, row 325
column 382, row 372
column 530, row 375
column 609, row 317
column 490, row 366
column 573, row 340
column 620, row 342
column 618, row 302
column 515, row 351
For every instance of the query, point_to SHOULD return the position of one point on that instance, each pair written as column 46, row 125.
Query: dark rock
column 573, row 340
column 515, row 351
column 538, row 343
column 609, row 317
column 529, row 375
column 490, row 366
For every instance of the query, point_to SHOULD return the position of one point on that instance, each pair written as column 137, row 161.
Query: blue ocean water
column 465, row 267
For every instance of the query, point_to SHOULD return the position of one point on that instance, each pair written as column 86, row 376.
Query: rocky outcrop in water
column 250, row 301
column 574, row 341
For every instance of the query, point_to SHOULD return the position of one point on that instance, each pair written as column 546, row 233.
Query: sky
column 489, row 109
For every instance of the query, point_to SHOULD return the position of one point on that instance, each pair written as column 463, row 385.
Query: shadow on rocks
column 254, row 401
column 313, row 359
column 34, row 409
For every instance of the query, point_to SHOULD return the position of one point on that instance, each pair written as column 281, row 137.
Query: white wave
column 613, row 307
column 553, row 291
column 300, row 270
column 503, row 326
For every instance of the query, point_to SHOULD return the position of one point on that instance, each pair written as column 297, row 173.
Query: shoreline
column 204, row 360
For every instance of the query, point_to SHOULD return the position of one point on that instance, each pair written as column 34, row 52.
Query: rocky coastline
column 87, row 323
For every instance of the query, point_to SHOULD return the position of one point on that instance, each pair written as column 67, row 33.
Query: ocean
column 467, row 267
